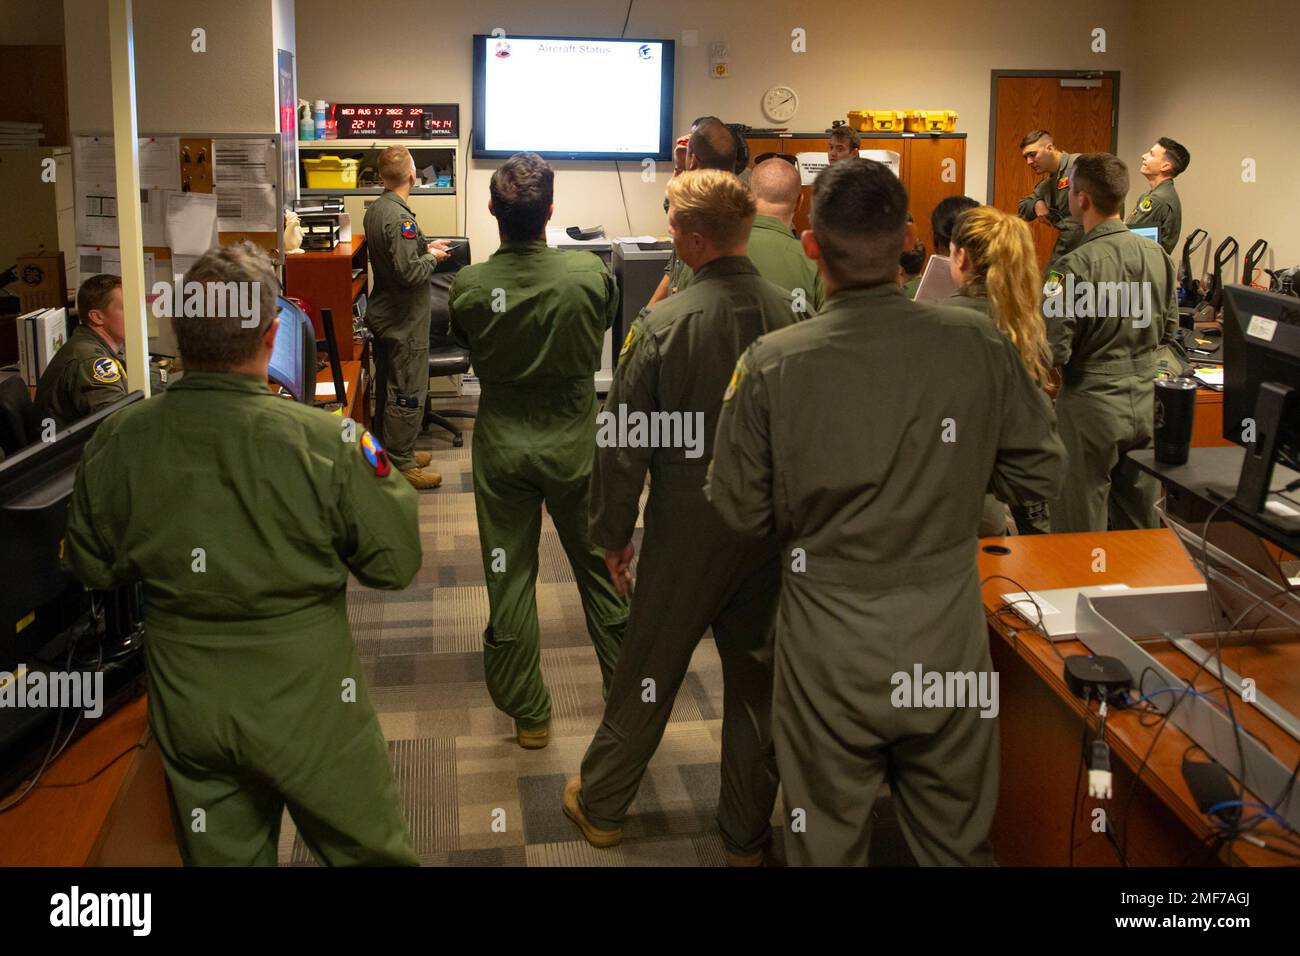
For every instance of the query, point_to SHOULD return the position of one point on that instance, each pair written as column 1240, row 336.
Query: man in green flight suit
column 711, row 146
column 243, row 513
column 534, row 319
column 398, row 313
column 775, row 252
column 875, row 503
column 695, row 573
column 1160, row 205
column 88, row 372
column 1049, row 203
column 1109, row 305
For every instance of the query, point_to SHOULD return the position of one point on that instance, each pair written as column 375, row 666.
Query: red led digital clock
column 397, row 121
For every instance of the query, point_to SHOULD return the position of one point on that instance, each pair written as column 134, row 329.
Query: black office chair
column 20, row 423
column 445, row 356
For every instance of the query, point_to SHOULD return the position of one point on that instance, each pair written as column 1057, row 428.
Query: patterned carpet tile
column 471, row 795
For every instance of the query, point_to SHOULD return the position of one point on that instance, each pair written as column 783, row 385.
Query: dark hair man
column 1160, row 206
column 876, row 503
column 844, row 143
column 1109, row 305
column 534, row 319
column 1049, row 203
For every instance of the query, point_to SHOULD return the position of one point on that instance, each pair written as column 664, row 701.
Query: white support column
column 126, row 154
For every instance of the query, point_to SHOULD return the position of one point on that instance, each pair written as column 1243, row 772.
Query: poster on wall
column 288, row 101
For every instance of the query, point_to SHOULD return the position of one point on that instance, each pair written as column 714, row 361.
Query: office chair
column 445, row 356
column 20, row 423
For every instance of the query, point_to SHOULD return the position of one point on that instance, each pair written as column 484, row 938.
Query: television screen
column 573, row 97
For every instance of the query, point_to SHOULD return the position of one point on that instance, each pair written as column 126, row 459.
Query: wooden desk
column 1207, row 425
column 331, row 280
column 119, row 818
column 357, row 383
column 1042, row 721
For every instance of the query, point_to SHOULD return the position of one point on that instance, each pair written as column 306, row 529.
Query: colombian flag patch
column 375, row 455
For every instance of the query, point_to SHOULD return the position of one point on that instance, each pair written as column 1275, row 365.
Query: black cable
column 1015, row 631
column 623, row 32
column 1180, row 697
column 1078, row 776
column 95, row 775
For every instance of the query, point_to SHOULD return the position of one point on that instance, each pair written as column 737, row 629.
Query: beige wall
column 228, row 89
column 934, row 55
column 1226, row 83
column 31, row 23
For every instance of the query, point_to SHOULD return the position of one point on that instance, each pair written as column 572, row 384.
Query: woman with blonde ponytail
column 995, row 266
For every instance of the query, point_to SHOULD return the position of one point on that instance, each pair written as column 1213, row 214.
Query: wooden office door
column 1081, row 119
column 933, row 169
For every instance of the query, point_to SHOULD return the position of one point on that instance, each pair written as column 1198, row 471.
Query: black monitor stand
column 1253, row 486
column 330, row 345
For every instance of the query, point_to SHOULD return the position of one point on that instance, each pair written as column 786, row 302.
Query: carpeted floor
column 472, row 795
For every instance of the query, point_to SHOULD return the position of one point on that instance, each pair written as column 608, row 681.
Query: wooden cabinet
column 330, row 280
column 932, row 166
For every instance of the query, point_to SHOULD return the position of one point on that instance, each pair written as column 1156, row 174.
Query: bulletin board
column 196, row 191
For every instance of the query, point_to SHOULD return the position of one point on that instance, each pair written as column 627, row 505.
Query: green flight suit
column 243, row 513
column 398, row 312
column 1054, row 190
column 878, row 499
column 84, row 376
column 1160, row 207
column 1032, row 517
column 910, row 287
column 678, row 272
column 534, row 320
column 779, row 258
column 694, row 573
column 1106, row 405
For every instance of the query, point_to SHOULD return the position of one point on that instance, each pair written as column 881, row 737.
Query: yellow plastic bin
column 331, row 172
column 931, row 121
column 877, row 121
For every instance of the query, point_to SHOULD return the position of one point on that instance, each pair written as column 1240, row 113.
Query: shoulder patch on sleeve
column 105, row 370
column 1053, row 284
column 374, row 454
column 1145, row 204
column 632, row 335
column 1063, row 182
column 737, row 374
column 408, row 229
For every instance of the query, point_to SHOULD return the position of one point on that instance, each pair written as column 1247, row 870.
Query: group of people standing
column 855, row 444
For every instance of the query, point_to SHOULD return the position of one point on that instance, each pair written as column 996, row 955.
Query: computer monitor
column 1146, row 232
column 40, row 598
column 1261, row 400
column 293, row 361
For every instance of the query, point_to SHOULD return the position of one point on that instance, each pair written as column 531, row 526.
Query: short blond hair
column 715, row 204
column 394, row 163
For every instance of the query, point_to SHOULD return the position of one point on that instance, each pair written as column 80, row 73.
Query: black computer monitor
column 40, row 598
column 293, row 360
column 1261, row 400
